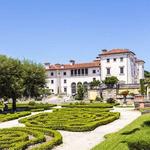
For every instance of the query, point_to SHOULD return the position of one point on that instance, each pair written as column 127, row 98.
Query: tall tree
column 34, row 79
column 11, row 82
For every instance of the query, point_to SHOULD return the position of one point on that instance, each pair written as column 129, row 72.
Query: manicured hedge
column 88, row 105
column 135, row 136
column 76, row 119
column 22, row 138
column 30, row 106
column 11, row 116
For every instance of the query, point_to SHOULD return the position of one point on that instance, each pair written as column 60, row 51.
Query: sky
column 56, row 31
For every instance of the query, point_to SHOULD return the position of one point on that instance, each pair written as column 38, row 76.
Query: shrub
column 110, row 100
column 32, row 103
column 98, row 99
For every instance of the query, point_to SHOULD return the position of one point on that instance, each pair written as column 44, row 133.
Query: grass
column 24, row 137
column 11, row 116
column 76, row 119
column 135, row 136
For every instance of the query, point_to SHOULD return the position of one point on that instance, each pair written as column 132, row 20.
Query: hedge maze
column 40, row 131
column 76, row 119
column 29, row 138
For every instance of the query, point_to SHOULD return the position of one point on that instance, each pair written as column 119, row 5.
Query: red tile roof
column 74, row 66
column 116, row 51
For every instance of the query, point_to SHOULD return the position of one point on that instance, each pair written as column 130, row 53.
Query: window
column 65, row 89
column 121, row 70
column 75, row 72
column 94, row 71
column 121, row 58
column 108, row 60
column 65, row 81
column 78, row 71
column 94, row 79
column 64, row 73
column 82, row 71
column 86, row 71
column 52, row 73
column 115, row 59
column 71, row 72
column 52, row 81
column 108, row 71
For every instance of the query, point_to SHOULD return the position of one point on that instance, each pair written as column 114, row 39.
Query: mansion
column 122, row 63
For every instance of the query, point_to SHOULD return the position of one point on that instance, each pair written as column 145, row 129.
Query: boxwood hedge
column 33, row 138
column 11, row 116
column 76, row 119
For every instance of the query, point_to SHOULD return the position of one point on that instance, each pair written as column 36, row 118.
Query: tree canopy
column 110, row 81
column 20, row 78
column 147, row 74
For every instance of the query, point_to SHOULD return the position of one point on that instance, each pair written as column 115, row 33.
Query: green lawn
column 135, row 136
column 22, row 138
column 72, row 119
column 11, row 116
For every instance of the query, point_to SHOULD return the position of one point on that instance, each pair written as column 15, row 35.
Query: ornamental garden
column 24, row 80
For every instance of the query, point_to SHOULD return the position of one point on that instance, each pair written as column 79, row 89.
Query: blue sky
column 56, row 31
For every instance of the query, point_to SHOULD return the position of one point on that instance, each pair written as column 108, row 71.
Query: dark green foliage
column 147, row 74
column 76, row 120
column 94, row 84
column 142, row 87
column 80, row 92
column 19, row 79
column 34, row 79
column 98, row 99
column 111, row 100
column 22, row 138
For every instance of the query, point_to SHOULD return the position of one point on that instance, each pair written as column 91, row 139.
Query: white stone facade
column 121, row 63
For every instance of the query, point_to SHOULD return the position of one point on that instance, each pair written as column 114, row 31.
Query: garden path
column 87, row 140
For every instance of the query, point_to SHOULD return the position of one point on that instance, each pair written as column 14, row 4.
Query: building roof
column 139, row 60
column 74, row 66
column 116, row 51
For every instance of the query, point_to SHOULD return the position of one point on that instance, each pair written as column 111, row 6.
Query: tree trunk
column 13, row 104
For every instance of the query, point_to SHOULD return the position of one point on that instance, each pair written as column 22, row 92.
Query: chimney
column 104, row 50
column 47, row 64
column 72, row 62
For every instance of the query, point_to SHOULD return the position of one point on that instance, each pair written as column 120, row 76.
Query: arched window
column 73, row 88
column 85, row 85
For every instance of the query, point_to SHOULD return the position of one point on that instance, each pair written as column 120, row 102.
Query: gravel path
column 87, row 140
